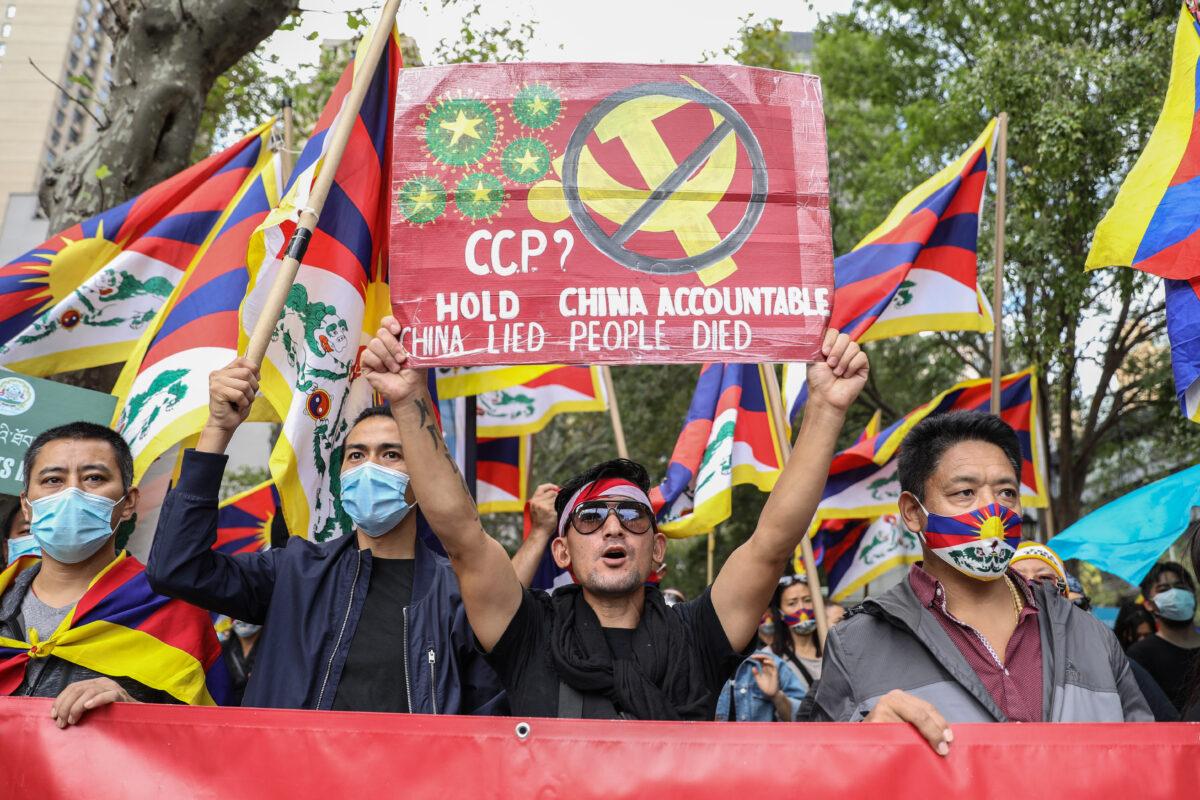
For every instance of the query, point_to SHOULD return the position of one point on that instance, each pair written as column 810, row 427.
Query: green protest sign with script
column 29, row 406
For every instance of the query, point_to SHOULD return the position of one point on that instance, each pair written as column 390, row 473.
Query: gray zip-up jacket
column 893, row 642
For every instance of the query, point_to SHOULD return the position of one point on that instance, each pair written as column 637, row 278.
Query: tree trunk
column 167, row 54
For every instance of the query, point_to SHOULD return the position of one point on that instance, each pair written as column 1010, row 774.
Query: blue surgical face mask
column 1176, row 605
column 71, row 525
column 245, row 630
column 22, row 546
column 373, row 496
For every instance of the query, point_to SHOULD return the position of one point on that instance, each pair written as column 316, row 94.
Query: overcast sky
column 568, row 30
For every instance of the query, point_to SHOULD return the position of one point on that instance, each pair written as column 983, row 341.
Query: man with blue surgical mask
column 18, row 541
column 1170, row 655
column 68, row 605
column 965, row 638
column 372, row 621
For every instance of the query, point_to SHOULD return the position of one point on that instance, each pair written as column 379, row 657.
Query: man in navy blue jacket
column 369, row 622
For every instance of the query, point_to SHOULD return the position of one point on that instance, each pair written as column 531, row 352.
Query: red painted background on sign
column 160, row 752
column 536, row 204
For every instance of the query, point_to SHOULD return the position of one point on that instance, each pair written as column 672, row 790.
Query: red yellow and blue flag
column 84, row 297
column 244, row 520
column 858, row 551
column 1154, row 224
column 339, row 295
column 728, row 438
column 163, row 388
column 917, row 270
column 122, row 628
column 530, row 406
column 502, row 474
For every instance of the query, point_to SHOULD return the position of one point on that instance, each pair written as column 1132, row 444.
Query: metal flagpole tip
column 523, row 730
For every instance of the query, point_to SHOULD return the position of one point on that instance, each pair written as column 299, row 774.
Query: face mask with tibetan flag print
column 979, row 543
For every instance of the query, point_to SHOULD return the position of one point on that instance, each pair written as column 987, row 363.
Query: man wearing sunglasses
column 608, row 646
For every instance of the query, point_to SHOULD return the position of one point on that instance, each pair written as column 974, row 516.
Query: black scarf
column 664, row 681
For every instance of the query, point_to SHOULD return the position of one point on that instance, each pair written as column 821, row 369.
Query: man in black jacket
column 368, row 622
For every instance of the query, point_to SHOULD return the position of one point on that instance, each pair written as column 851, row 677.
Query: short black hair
column 1156, row 572
column 930, row 438
column 623, row 468
column 373, row 411
column 1130, row 617
column 83, row 431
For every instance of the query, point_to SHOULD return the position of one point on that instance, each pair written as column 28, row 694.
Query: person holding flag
column 608, row 646
column 965, row 638
column 80, row 623
column 367, row 622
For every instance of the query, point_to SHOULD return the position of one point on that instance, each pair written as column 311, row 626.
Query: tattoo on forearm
column 439, row 444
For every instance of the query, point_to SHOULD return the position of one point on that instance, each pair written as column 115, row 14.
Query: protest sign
column 591, row 213
column 29, row 406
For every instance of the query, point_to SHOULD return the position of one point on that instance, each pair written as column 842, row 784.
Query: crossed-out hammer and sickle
column 684, row 193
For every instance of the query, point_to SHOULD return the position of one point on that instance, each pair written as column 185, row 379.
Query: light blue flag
column 1128, row 535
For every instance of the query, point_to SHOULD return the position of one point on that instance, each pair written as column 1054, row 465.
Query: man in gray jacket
column 965, row 638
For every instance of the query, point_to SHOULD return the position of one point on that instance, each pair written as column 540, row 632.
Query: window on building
column 10, row 12
column 78, row 118
column 55, row 138
column 73, row 62
column 6, row 30
column 85, row 7
column 76, row 42
column 3, row 48
column 59, row 118
column 73, row 137
column 80, row 24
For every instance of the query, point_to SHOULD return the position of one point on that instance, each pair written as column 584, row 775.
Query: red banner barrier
column 168, row 752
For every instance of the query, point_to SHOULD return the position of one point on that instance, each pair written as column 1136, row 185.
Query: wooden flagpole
column 998, row 256
column 712, row 549
column 1049, row 529
column 614, row 413
column 775, row 403
column 287, row 159
column 260, row 337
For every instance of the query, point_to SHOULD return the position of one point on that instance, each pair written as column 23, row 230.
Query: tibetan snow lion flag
column 528, row 408
column 122, row 627
column 333, row 308
column 87, row 295
column 163, row 388
column 593, row 213
column 918, row 270
column 728, row 438
column 858, row 551
column 1154, row 224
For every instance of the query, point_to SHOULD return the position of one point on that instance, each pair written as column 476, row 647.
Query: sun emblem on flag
column 537, row 106
column 525, row 160
column 479, row 195
column 461, row 131
column 69, row 267
column 317, row 404
column 421, row 200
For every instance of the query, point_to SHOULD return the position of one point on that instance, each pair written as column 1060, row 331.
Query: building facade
column 48, row 48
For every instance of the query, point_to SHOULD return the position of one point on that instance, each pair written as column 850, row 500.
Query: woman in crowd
column 771, row 683
column 1133, row 624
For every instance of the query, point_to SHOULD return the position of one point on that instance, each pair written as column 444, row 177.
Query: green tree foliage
column 908, row 84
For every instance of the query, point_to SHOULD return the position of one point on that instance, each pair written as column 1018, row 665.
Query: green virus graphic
column 421, row 200
column 525, row 160
column 537, row 106
column 460, row 131
column 479, row 196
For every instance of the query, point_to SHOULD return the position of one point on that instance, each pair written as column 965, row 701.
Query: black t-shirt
column 373, row 678
column 522, row 656
column 1170, row 665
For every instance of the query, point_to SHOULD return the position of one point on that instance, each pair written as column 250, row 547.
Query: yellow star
column 528, row 161
column 423, row 200
column 463, row 126
column 539, row 105
column 481, row 193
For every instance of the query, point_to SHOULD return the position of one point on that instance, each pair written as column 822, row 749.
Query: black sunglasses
column 633, row 516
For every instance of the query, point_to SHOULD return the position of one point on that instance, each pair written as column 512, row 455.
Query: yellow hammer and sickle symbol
column 685, row 212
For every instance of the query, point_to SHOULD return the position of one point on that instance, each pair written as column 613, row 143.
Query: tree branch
column 63, row 89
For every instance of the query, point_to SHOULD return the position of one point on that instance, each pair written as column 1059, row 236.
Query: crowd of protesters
column 985, row 628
